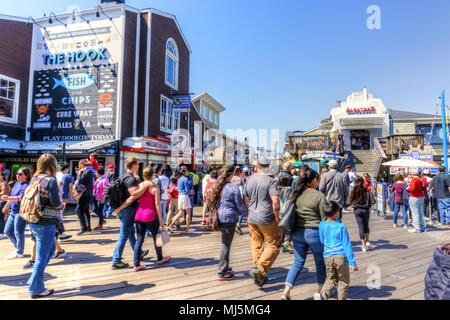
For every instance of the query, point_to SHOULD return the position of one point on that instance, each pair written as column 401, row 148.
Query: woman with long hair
column 226, row 198
column 361, row 199
column 148, row 217
column 399, row 200
column 15, row 226
column 45, row 229
column 4, row 191
column 305, row 235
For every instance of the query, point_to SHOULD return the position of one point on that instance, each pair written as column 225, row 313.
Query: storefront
column 361, row 118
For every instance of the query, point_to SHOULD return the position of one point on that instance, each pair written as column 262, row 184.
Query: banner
column 74, row 105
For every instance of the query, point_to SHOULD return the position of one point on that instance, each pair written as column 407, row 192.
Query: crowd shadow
column 185, row 263
column 104, row 291
column 21, row 280
column 277, row 276
column 79, row 258
column 378, row 245
column 364, row 293
column 92, row 241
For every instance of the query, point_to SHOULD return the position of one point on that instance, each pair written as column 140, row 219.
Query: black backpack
column 115, row 192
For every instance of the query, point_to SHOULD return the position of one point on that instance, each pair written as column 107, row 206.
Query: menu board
column 75, row 104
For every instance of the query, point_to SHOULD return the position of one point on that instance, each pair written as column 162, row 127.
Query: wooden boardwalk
column 400, row 259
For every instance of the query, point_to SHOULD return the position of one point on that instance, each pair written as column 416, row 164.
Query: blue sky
column 283, row 64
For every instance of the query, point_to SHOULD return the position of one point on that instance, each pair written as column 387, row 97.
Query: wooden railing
column 400, row 143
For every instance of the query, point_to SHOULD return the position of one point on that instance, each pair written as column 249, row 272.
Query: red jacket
column 94, row 164
column 416, row 187
column 368, row 184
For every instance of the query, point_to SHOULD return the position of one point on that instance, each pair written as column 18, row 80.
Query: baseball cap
column 333, row 164
column 263, row 161
column 426, row 171
column 111, row 166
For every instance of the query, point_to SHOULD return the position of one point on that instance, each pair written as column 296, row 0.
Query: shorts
column 184, row 202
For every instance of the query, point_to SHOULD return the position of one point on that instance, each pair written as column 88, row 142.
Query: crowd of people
column 163, row 199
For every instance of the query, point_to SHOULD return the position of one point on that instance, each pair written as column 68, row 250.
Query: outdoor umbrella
column 409, row 163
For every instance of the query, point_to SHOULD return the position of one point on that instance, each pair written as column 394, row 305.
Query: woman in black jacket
column 362, row 200
column 85, row 181
column 437, row 279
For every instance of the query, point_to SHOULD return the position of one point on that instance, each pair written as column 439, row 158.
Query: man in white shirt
column 204, row 183
column 164, row 191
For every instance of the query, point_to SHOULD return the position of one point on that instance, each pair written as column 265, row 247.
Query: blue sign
column 181, row 102
column 417, row 154
column 79, row 56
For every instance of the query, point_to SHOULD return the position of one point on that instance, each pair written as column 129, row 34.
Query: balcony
column 302, row 144
column 400, row 143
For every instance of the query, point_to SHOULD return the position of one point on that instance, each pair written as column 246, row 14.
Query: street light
column 334, row 135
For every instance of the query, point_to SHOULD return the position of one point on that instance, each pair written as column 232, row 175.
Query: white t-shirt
column 165, row 187
column 204, row 182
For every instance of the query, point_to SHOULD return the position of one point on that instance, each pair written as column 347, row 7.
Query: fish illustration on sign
column 74, row 81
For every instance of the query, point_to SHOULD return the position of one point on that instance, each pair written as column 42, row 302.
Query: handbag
column 287, row 212
column 78, row 190
column 162, row 237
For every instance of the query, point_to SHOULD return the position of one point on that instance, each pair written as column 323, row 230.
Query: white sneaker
column 3, row 236
column 364, row 249
column 318, row 296
column 369, row 245
column 192, row 230
column 395, row 225
column 14, row 255
column 405, row 227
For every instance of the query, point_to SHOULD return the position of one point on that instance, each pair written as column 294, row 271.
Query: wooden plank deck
column 400, row 258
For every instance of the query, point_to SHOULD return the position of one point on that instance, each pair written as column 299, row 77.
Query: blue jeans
column 126, row 217
column 15, row 230
column 416, row 205
column 404, row 207
column 164, row 209
column 107, row 210
column 45, row 248
column 444, row 208
column 303, row 239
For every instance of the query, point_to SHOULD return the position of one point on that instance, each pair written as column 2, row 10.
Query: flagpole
column 444, row 131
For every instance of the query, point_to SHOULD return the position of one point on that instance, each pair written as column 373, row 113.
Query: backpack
column 30, row 205
column 115, row 192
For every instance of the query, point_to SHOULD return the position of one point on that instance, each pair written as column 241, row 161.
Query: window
column 172, row 64
column 205, row 113
column 210, row 116
column 9, row 99
column 169, row 119
column 216, row 119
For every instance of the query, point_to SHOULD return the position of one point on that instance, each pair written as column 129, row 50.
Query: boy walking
column 337, row 253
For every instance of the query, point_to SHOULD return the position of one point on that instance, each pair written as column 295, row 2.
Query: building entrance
column 360, row 139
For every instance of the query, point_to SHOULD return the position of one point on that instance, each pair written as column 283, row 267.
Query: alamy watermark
column 374, row 20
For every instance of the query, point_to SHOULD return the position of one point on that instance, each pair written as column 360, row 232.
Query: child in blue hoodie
column 337, row 253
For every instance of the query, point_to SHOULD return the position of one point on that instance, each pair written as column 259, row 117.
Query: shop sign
column 181, row 103
column 362, row 110
column 316, row 143
column 319, row 154
column 417, row 154
column 79, row 56
column 74, row 105
column 380, row 199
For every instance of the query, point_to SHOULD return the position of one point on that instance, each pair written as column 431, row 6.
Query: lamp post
column 334, row 134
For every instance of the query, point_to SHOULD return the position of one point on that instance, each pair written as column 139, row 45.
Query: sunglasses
column 19, row 174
